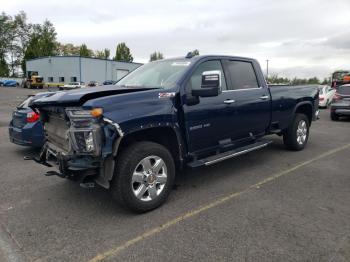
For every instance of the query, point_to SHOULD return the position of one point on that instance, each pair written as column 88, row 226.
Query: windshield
column 161, row 74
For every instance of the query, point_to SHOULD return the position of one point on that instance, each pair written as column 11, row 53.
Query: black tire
column 334, row 116
column 129, row 159
column 290, row 136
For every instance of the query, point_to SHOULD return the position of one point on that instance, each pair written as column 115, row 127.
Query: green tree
column 5, row 32
column 86, row 52
column 107, row 53
column 275, row 79
column 4, row 69
column 21, row 37
column 68, row 49
column 313, row 81
column 326, row 81
column 5, row 40
column 14, row 35
column 20, row 40
column 123, row 53
column 42, row 42
column 99, row 54
column 156, row 56
column 103, row 54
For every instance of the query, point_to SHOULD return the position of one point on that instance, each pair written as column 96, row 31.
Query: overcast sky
column 301, row 38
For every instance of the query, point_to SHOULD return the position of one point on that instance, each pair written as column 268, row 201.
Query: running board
column 229, row 154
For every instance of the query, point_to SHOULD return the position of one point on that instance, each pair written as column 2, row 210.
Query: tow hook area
column 41, row 159
column 37, row 160
column 85, row 183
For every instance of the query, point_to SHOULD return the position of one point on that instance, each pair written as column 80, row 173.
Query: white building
column 64, row 69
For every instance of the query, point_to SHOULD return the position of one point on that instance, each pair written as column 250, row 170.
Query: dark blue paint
column 23, row 133
column 205, row 124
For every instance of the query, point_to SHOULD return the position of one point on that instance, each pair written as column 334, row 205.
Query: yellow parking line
column 191, row 213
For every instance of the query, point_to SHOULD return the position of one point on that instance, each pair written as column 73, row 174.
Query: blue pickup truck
column 196, row 111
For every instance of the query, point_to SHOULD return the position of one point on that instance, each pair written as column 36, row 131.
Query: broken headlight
column 82, row 113
column 84, row 141
column 85, row 130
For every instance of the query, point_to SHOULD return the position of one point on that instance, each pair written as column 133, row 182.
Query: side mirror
column 211, row 83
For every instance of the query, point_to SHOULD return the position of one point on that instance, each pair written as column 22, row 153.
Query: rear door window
column 242, row 75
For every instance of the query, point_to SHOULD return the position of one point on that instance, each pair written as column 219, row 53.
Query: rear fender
column 307, row 108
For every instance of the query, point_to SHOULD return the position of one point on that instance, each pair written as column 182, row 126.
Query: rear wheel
column 143, row 177
column 295, row 137
column 334, row 116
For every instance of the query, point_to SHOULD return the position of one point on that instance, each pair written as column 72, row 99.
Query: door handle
column 264, row 97
column 229, row 101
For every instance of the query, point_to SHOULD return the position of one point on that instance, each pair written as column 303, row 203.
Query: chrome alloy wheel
column 301, row 132
column 149, row 178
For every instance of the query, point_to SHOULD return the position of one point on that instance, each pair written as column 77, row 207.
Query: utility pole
column 267, row 68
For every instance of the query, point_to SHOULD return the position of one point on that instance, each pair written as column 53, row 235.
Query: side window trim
column 224, row 73
column 229, row 89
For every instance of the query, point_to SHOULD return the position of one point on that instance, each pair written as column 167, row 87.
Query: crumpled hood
column 80, row 96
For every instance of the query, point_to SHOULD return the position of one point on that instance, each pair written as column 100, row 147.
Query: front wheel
column 296, row 135
column 143, row 177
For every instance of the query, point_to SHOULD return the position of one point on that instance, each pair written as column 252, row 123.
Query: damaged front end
column 81, row 144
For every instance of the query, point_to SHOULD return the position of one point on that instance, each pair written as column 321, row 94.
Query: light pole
column 267, row 68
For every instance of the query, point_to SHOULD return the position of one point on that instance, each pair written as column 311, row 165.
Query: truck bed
column 285, row 98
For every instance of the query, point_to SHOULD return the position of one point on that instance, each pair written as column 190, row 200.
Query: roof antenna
column 189, row 55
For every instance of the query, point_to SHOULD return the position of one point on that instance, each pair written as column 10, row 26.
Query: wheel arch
column 305, row 108
column 167, row 136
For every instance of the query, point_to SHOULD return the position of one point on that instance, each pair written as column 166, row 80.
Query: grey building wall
column 83, row 68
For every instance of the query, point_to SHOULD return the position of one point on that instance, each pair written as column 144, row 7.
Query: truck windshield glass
column 161, row 74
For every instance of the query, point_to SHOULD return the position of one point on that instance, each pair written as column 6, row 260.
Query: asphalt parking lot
column 269, row 205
